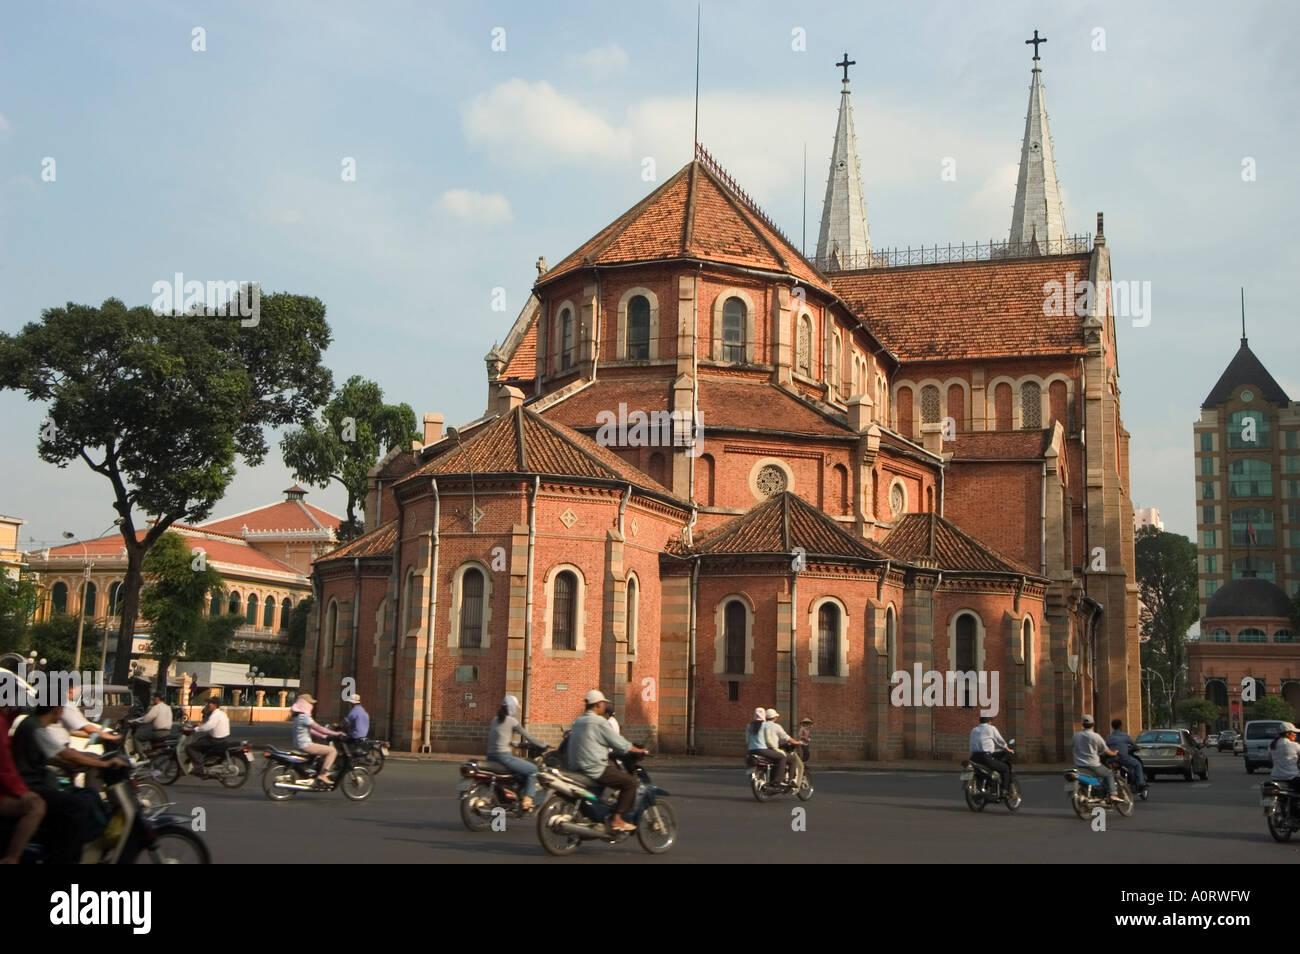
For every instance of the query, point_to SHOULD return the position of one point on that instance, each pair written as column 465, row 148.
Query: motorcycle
column 486, row 786
column 577, row 811
column 230, row 766
column 136, row 833
column 289, row 772
column 766, row 788
column 1085, row 792
column 982, row 785
column 369, row 753
column 1130, row 776
column 1281, row 806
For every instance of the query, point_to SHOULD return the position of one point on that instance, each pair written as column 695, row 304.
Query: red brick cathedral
column 715, row 474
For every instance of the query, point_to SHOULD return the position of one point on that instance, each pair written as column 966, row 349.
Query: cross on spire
column 846, row 63
column 1036, row 40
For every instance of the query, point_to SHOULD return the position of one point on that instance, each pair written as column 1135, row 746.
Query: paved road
column 854, row 817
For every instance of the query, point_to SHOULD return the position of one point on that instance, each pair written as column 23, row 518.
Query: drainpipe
column 426, row 744
column 356, row 611
column 794, row 647
column 622, row 507
column 942, row 468
column 933, row 597
column 595, row 326
column 398, row 620
column 528, row 598
column 690, row 669
column 1042, row 547
column 695, row 391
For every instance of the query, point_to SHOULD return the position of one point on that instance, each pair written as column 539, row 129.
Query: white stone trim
column 632, row 613
column 620, row 351
column 952, row 638
column 557, row 336
column 720, row 639
column 814, row 640
column 1029, row 648
column 579, row 612
column 889, row 497
column 805, row 315
column 331, row 631
column 759, row 465
column 750, row 312
column 457, row 596
column 891, row 646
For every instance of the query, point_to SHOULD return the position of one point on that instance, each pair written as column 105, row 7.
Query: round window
column 897, row 500
column 1246, row 395
column 770, row 480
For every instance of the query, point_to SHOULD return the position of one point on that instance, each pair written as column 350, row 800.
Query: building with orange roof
column 715, row 474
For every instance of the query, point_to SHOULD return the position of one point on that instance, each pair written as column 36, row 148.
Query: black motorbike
column 1143, row 791
column 982, row 785
column 486, row 786
column 765, row 787
column 1084, row 790
column 1281, row 805
column 290, row 772
column 580, row 809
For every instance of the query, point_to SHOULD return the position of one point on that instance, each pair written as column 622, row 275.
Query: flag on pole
column 1250, row 532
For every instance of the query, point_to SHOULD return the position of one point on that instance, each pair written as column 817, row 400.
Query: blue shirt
column 358, row 723
column 755, row 735
column 590, row 740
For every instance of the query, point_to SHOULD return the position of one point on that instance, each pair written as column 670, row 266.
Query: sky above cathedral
column 214, row 141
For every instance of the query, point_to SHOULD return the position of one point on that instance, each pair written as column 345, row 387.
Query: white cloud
column 532, row 125
column 601, row 60
column 475, row 207
column 4, row 124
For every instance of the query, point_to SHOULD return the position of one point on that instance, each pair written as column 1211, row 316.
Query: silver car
column 1172, row 752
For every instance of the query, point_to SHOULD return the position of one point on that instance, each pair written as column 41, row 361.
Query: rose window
column 770, row 480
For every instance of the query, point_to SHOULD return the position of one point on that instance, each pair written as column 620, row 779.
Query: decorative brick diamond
column 635, row 528
column 476, row 515
column 568, row 518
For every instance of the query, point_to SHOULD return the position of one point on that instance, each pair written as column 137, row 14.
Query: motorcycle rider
column 303, row 728
column 756, row 743
column 590, row 742
column 16, row 799
column 1089, row 747
column 778, row 738
column 985, row 744
column 155, row 725
column 73, row 722
column 357, row 721
column 208, row 736
column 1123, row 743
column 501, row 730
column 1286, row 759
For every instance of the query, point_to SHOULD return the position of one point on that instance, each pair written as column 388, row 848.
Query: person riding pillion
column 985, row 744
column 1089, row 748
column 501, row 730
column 303, row 727
column 590, row 742
column 1123, row 743
column 777, row 738
column 756, row 743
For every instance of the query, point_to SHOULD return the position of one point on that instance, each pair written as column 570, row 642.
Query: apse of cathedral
column 883, row 490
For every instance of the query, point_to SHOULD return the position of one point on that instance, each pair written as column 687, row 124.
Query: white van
column 1259, row 735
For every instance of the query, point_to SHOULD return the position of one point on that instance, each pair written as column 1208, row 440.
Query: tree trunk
column 131, row 586
column 164, row 665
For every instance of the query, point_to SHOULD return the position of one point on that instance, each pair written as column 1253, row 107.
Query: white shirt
column 217, row 723
column 70, row 720
column 775, row 735
column 1285, row 755
column 986, row 738
column 159, row 716
column 613, row 724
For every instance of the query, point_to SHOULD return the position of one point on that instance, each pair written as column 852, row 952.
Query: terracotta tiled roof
column 723, row 404
column 1000, row 445
column 930, row 537
column 218, row 547
column 970, row 309
column 378, row 542
column 1245, row 368
column 287, row 515
column 780, row 524
column 523, row 363
column 523, row 442
column 692, row 215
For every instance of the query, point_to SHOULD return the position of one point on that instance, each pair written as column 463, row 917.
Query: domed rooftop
column 1249, row 596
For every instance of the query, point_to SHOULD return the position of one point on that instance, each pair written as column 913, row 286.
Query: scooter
column 230, row 766
column 981, row 785
column 1281, row 806
column 486, row 786
column 766, row 788
column 1085, row 792
column 1143, row 792
column 577, row 811
column 289, row 772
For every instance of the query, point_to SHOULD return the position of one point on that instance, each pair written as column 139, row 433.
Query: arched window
column 331, row 632
column 965, row 647
column 268, row 612
column 904, row 405
column 828, row 640
column 1002, row 407
column 733, row 331
column 566, row 339
column 833, row 372
column 1247, row 519
column 840, row 482
column 891, row 640
column 1220, row 635
column 1248, row 430
column 929, row 404
column 1058, row 400
column 803, row 349
column 233, row 608
column 115, row 599
column 286, row 613
column 704, row 480
column 1031, row 667
column 957, row 407
column 251, row 614
column 471, row 609
column 59, row 597
column 1282, row 636
column 1251, row 635
column 735, row 620
column 412, row 614
column 214, row 605
column 1250, row 477
column 564, row 612
column 633, row 612
column 1031, row 406
column 88, row 598
column 638, row 328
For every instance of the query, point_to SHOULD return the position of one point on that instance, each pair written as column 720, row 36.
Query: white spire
column 844, row 240
column 1039, row 216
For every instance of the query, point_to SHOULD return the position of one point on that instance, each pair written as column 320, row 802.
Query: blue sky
column 226, row 164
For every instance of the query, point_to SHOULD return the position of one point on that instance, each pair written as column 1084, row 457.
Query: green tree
column 1272, row 707
column 17, row 603
column 212, row 643
column 1166, row 578
column 175, row 599
column 357, row 428
column 55, row 640
column 297, row 637
column 1197, row 711
column 275, row 665
column 160, row 404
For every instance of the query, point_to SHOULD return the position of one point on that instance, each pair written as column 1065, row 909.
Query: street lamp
column 81, row 609
column 253, row 677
